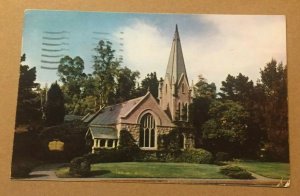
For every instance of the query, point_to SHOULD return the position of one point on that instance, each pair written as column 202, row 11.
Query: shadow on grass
column 37, row 175
column 99, row 173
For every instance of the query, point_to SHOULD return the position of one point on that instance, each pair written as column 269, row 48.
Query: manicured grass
column 267, row 169
column 179, row 170
column 151, row 170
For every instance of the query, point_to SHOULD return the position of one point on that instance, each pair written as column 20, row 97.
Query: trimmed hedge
column 80, row 167
column 195, row 156
column 236, row 172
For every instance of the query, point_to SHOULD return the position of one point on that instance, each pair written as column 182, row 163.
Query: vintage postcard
column 171, row 98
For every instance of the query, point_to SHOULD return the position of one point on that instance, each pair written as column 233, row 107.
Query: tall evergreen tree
column 55, row 109
column 28, row 104
column 274, row 108
column 204, row 95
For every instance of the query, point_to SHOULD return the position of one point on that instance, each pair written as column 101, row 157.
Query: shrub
column 195, row 156
column 20, row 170
column 80, row 167
column 222, row 156
column 236, row 172
column 127, row 149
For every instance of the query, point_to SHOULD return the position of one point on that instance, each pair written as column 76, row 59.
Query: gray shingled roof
column 104, row 132
column 111, row 114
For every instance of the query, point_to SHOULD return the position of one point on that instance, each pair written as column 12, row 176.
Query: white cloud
column 239, row 44
column 242, row 44
column 145, row 48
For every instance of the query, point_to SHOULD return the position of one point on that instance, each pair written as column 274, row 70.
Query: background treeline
column 243, row 119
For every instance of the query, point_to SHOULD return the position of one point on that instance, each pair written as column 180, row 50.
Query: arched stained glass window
column 147, row 131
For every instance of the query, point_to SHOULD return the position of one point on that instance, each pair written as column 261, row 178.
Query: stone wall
column 134, row 130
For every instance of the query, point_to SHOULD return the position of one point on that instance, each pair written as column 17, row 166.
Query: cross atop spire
column 176, row 66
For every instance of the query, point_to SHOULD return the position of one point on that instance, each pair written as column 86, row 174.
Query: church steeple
column 174, row 90
column 176, row 65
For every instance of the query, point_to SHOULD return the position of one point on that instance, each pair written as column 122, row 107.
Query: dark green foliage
column 275, row 110
column 126, row 82
column 70, row 72
column 242, row 90
column 106, row 156
column 72, row 134
column 204, row 94
column 29, row 103
column 106, row 68
column 171, row 141
column 235, row 172
column 222, row 156
column 203, row 89
column 226, row 129
column 195, row 156
column 127, row 146
column 80, row 167
column 150, row 82
column 20, row 170
column 55, row 109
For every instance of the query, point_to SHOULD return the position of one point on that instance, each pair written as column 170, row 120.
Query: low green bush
column 20, row 170
column 235, row 172
column 195, row 156
column 80, row 167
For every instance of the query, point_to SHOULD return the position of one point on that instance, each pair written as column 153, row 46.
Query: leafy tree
column 243, row 91
column 70, row 72
column 55, row 110
column 274, row 108
column 149, row 83
column 226, row 128
column 204, row 94
column 203, row 89
column 126, row 82
column 29, row 104
column 106, row 68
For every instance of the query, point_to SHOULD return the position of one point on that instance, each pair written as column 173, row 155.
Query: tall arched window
column 147, row 131
column 179, row 111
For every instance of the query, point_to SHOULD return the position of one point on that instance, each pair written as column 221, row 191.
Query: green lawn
column 151, row 170
column 179, row 170
column 268, row 169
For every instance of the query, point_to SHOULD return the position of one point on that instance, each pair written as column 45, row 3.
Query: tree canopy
column 29, row 103
column 55, row 109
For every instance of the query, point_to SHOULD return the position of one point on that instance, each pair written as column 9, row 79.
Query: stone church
column 145, row 117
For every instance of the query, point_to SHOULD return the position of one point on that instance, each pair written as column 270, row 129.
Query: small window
column 102, row 143
column 182, row 88
column 110, row 143
column 166, row 88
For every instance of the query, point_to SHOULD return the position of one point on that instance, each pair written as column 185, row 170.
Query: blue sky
column 213, row 45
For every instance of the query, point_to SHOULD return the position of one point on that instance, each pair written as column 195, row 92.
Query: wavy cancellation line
column 55, row 38
column 52, row 56
column 55, row 32
column 51, row 62
column 56, row 44
column 54, row 50
column 50, row 68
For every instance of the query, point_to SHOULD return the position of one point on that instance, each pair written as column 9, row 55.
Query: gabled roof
column 112, row 114
column 176, row 65
column 103, row 132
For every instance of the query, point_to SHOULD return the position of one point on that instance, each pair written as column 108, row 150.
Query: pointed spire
column 176, row 65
